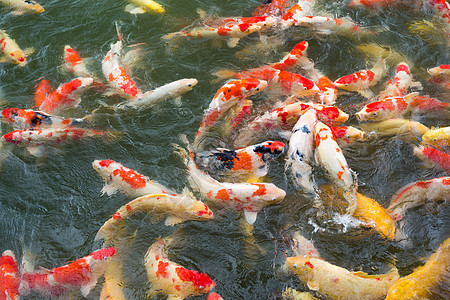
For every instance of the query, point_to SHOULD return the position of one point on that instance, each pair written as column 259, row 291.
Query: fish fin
column 366, row 93
column 85, row 289
column 313, row 285
column 174, row 297
column 202, row 14
column 37, row 151
column 109, row 189
column 177, row 101
column 2, row 58
column 224, row 73
column 18, row 13
column 261, row 171
column 286, row 134
column 173, row 220
column 28, row 51
column 232, row 42
column 250, row 216
column 28, row 261
column 133, row 9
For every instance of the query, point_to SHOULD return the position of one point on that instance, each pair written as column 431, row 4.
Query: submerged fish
column 21, row 7
column 394, row 127
column 433, row 157
column 9, row 276
column 143, row 6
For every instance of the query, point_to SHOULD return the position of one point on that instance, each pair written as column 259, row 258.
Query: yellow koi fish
column 396, row 126
column 439, row 137
column 144, row 6
column 11, row 52
column 21, row 7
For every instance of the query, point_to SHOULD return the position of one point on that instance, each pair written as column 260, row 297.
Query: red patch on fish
column 199, row 280
column 162, row 270
column 309, row 264
column 261, row 191
column 105, row 163
column 134, row 179
column 222, row 195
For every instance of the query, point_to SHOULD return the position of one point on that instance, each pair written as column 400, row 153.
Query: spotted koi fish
column 362, row 81
column 329, row 92
column 21, row 7
column 274, row 8
column 438, row 137
column 442, row 8
column 346, row 135
column 81, row 274
column 433, row 157
column 399, row 85
column 300, row 155
column 420, row 283
column 339, row 283
column 375, row 3
column 418, row 193
column 233, row 29
column 31, row 119
column 120, row 178
column 144, row 6
column 170, row 278
column 74, row 63
column 387, row 108
column 66, row 95
column 329, row 155
column 251, row 160
column 296, row 57
column 299, row 10
column 11, row 52
column 9, row 276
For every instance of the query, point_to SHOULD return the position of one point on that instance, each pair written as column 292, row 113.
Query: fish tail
column 224, row 74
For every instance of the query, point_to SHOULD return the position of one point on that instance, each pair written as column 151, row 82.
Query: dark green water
column 54, row 206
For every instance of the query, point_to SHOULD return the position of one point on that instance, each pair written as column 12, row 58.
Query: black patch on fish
column 300, row 155
column 216, row 160
column 266, row 152
column 267, row 1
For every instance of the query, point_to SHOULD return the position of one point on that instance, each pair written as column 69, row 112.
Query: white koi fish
column 11, row 52
column 21, row 7
column 144, row 6
column 120, row 178
column 399, row 85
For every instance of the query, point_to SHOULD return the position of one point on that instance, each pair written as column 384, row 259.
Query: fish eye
column 189, row 84
column 257, row 89
column 374, row 113
column 304, row 88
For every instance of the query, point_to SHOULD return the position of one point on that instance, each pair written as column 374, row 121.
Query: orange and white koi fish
column 394, row 127
column 43, row 89
column 375, row 3
column 362, row 81
column 120, row 178
column 118, row 78
column 81, row 274
column 168, row 91
column 339, row 283
column 233, row 29
column 9, row 276
column 441, row 70
column 433, row 157
column 442, row 8
column 329, row 155
column 214, row 296
column 170, row 278
column 329, row 92
column 249, row 161
column 300, row 155
column 31, row 119
column 420, row 283
column 11, row 52
column 74, row 64
column 66, row 95
column 274, row 8
column 144, row 6
column 247, row 197
column 303, row 246
column 438, row 137
column 399, row 85
column 387, row 108
column 301, row 9
column 21, row 7
column 178, row 208
column 417, row 193
column 374, row 215
column 346, row 135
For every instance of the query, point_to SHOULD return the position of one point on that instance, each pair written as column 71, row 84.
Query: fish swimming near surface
column 440, row 75
column 400, row 84
column 303, row 247
column 42, row 90
column 170, row 278
column 9, row 276
column 438, row 137
column 394, row 127
column 301, row 9
column 81, row 274
column 11, row 52
column 346, row 135
column 433, row 157
column 339, row 283
column 144, row 6
column 120, row 178
column 274, row 8
column 21, row 7
column 74, row 63
column 214, row 296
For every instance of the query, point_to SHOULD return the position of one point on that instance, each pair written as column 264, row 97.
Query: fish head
column 152, row 6
column 348, row 134
column 18, row 58
column 301, row 266
column 104, row 167
column 269, row 150
column 269, row 192
column 347, row 82
column 331, row 114
column 34, row 6
column 289, row 18
column 299, row 49
column 9, row 114
column 214, row 296
column 200, row 211
column 439, row 71
column 302, row 86
column 201, row 282
column 187, row 84
column 374, row 111
column 14, row 137
column 251, row 86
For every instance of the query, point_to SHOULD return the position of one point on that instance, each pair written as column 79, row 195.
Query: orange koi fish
column 31, row 119
column 346, row 135
column 251, row 160
column 375, row 3
column 420, row 283
column 296, row 57
column 120, row 178
column 170, row 278
column 387, row 108
column 82, row 273
column 11, row 52
column 178, row 209
column 214, row 296
column 339, row 283
column 74, row 64
column 399, row 85
column 66, row 95
column 21, row 7
column 433, row 157
column 329, row 92
column 9, row 276
column 43, row 89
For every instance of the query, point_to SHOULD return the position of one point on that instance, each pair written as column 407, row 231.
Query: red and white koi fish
column 301, row 153
column 11, row 52
column 31, row 119
column 74, row 64
column 120, row 178
column 399, row 85
column 297, row 57
column 433, row 157
column 9, row 276
column 441, row 70
column 81, row 274
column 387, row 108
column 346, row 135
column 168, row 91
column 248, row 161
column 339, row 283
column 438, row 137
column 246, row 197
column 118, row 78
column 274, row 8
column 329, row 92
column 362, row 81
column 329, row 155
column 66, row 95
column 214, row 296
column 303, row 246
column 43, row 89
column 442, row 8
column 375, row 3
column 231, row 28
column 170, row 278
column 417, row 193
column 301, row 9
column 178, row 208
column 21, row 7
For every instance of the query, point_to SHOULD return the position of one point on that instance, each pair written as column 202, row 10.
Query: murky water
column 54, row 207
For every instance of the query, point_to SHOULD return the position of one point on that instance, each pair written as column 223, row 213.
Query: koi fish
column 339, row 283
column 170, row 278
column 21, row 7
column 31, row 119
column 420, row 283
column 303, row 246
column 346, row 135
column 387, row 108
column 371, row 212
column 112, row 288
column 394, row 127
column 274, row 8
column 214, row 296
column 438, row 137
column 233, row 29
column 297, row 57
column 9, row 276
column 301, row 153
column 375, row 3
column 171, row 90
column 144, row 6
column 120, row 178
column 74, row 64
column 442, row 8
column 433, row 157
column 417, row 193
column 11, row 52
column 246, row 197
column 43, row 89
column 399, row 85
column 293, row 14
column 329, row 92
column 441, row 70
column 329, row 155
column 66, row 95
column 178, row 208
column 362, row 81
column 251, row 160
column 83, row 273
column 293, row 294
